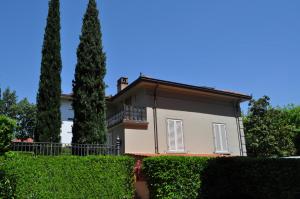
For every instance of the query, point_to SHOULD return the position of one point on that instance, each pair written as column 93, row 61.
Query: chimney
column 122, row 83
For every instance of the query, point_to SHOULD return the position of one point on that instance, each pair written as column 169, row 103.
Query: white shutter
column 171, row 135
column 224, row 138
column 217, row 137
column 220, row 137
column 179, row 136
column 175, row 135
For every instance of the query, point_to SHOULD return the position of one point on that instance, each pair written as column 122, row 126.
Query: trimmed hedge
column 250, row 178
column 219, row 178
column 173, row 177
column 70, row 176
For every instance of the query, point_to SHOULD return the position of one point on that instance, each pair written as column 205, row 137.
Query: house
column 153, row 116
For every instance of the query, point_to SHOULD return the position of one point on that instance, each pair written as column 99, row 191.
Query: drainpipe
column 155, row 118
column 235, row 107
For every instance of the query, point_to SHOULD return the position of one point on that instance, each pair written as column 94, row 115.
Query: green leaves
column 26, row 119
column 88, row 84
column 174, row 177
column 71, row 176
column 23, row 112
column 251, row 178
column 218, row 178
column 7, row 129
column 48, row 97
column 268, row 131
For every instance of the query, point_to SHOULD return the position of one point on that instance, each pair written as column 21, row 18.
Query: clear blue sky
column 247, row 46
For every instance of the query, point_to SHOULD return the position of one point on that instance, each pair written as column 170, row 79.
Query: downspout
column 235, row 105
column 155, row 118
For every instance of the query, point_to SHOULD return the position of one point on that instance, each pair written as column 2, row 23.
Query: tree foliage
column 7, row 128
column 267, row 130
column 8, row 102
column 292, row 113
column 48, row 97
column 23, row 112
column 88, row 85
column 26, row 119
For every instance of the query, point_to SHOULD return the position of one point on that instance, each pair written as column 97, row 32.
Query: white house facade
column 67, row 116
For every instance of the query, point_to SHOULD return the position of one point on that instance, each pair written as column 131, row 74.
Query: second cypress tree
column 88, row 86
column 48, row 97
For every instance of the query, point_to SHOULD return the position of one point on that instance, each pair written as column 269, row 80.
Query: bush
column 70, row 176
column 173, row 176
column 250, row 178
column 6, row 186
column 7, row 127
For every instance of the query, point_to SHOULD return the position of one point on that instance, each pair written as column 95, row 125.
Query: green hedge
column 70, row 176
column 250, row 178
column 219, row 178
column 173, row 177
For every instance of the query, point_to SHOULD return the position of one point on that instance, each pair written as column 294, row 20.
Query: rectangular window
column 220, row 138
column 175, row 135
column 109, row 138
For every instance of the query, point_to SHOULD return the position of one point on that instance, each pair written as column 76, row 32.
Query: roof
column 28, row 140
column 141, row 79
column 144, row 79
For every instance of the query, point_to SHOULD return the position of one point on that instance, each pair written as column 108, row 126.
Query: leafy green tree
column 7, row 128
column 268, row 132
column 293, row 116
column 23, row 112
column 26, row 119
column 48, row 97
column 8, row 103
column 88, row 85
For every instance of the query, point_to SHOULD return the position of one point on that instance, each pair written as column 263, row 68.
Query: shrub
column 7, row 187
column 250, row 178
column 70, row 176
column 7, row 127
column 173, row 176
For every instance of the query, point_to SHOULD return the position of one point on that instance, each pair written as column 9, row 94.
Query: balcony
column 131, row 117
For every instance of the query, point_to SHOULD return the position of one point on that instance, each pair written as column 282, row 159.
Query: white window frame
column 175, row 134
column 222, row 151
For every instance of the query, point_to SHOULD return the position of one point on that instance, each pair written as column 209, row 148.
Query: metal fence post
column 118, row 145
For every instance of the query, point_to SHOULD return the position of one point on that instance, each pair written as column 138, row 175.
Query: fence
column 48, row 148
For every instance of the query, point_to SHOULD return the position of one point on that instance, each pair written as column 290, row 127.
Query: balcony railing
column 128, row 113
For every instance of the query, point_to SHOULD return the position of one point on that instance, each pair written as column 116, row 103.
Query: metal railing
column 48, row 148
column 132, row 113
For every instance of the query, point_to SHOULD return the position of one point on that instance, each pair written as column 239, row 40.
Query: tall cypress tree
column 88, row 86
column 48, row 97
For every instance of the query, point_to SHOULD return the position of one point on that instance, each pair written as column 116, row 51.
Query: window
column 175, row 135
column 109, row 139
column 220, row 137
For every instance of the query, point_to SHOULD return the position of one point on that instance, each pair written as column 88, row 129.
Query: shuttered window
column 220, row 138
column 175, row 135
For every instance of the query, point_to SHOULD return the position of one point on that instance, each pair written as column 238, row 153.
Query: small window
column 175, row 135
column 109, row 139
column 70, row 119
column 220, row 138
